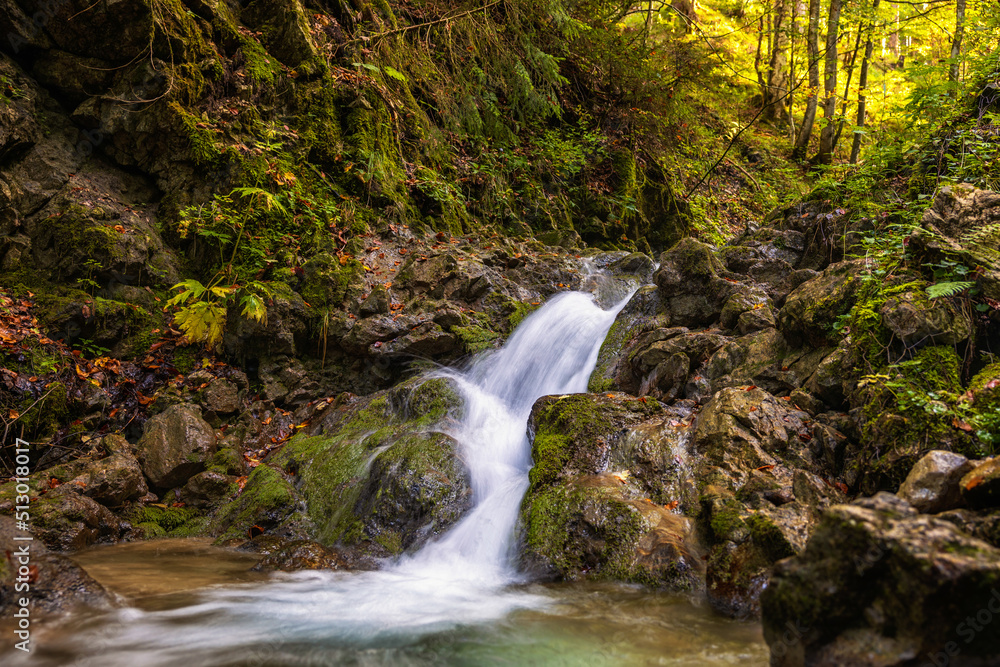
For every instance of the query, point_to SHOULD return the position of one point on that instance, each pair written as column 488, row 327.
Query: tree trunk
column 849, row 66
column 825, row 154
column 777, row 74
column 812, row 53
column 956, row 44
column 862, row 86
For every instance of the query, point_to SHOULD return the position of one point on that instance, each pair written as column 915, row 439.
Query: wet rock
column 425, row 340
column 291, row 556
column 221, row 397
column 375, row 476
column 267, row 504
column 116, row 479
column 65, row 520
column 980, row 487
column 808, row 311
column 914, row 319
column 750, row 299
column 608, row 477
column 58, row 585
column 376, row 303
column 740, row 430
column 175, row 446
column 207, row 489
column 933, row 484
column 878, row 584
column 613, row 370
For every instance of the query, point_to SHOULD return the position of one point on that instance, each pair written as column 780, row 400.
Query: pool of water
column 188, row 604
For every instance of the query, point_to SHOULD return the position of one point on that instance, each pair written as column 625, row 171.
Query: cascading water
column 463, row 578
column 552, row 352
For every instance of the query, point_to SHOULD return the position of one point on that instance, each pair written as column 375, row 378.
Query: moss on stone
column 267, row 500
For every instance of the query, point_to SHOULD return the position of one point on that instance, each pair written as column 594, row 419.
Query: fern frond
column 939, row 290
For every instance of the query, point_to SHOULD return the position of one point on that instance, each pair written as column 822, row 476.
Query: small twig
column 745, row 173
column 399, row 31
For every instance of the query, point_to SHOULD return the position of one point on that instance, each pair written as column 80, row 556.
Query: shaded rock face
column 58, row 585
column 879, row 584
column 175, row 446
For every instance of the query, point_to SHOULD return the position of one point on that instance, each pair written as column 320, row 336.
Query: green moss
column 476, row 339
column 553, row 520
column 161, row 521
column 226, row 461
column 202, row 144
column 521, row 311
column 260, row 67
column 267, row 500
column 550, row 452
column 768, row 538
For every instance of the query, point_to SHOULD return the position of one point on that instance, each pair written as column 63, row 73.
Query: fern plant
column 202, row 309
column 940, row 290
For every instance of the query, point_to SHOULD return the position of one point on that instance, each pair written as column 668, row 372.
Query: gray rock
column 175, row 446
column 878, row 584
column 221, row 397
column 933, row 484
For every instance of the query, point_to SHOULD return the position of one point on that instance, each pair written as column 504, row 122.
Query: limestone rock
column 878, row 584
column 175, row 446
column 933, row 484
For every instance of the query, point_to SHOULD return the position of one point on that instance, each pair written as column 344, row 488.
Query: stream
column 460, row 600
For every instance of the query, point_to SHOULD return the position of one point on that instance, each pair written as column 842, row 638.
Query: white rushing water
column 463, row 578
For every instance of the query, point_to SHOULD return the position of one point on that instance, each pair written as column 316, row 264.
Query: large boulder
column 608, row 490
column 743, row 429
column 809, row 312
column 933, row 484
column 878, row 584
column 694, row 284
column 175, row 446
column 375, row 474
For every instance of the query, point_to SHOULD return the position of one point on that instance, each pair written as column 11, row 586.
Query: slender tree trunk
column 863, row 86
column 825, row 154
column 777, row 74
column 812, row 54
column 793, row 33
column 956, row 43
column 849, row 66
column 759, row 57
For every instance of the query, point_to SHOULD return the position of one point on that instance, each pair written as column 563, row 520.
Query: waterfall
column 552, row 352
column 465, row 577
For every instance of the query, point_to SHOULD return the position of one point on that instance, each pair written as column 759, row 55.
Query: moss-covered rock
column 268, row 501
column 925, row 577
column 583, row 519
column 376, row 474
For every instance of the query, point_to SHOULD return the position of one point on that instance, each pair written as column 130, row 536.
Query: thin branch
column 399, row 31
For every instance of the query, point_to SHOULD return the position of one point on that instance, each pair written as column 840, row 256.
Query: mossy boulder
column 65, row 520
column 377, row 474
column 606, row 481
column 916, row 320
column 267, row 503
column 694, row 285
column 877, row 574
column 809, row 313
